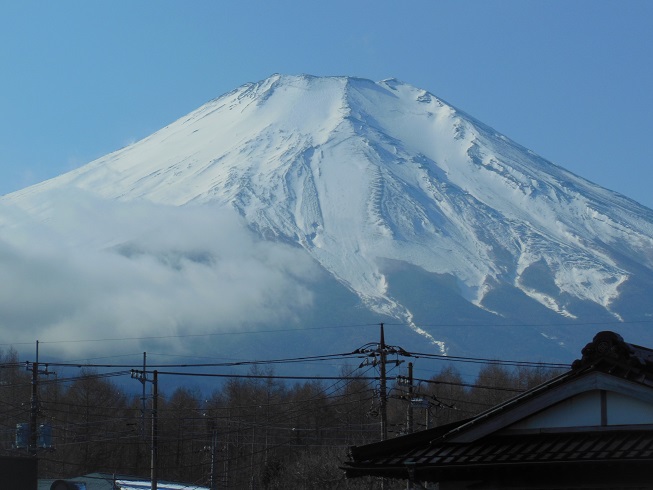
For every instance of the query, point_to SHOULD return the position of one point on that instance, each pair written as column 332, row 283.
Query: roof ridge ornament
column 605, row 345
column 610, row 347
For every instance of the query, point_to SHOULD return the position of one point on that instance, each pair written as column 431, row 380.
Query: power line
column 332, row 327
column 358, row 354
column 265, row 376
column 482, row 360
column 324, row 357
column 469, row 385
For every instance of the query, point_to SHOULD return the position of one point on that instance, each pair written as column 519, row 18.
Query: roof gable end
column 611, row 377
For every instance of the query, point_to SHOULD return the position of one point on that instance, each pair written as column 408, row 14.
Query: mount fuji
column 322, row 202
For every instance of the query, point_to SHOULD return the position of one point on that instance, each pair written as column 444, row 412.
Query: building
column 591, row 427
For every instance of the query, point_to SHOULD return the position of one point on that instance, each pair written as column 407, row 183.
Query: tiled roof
column 535, row 448
column 569, row 449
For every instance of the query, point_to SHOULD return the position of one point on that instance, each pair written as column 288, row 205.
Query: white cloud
column 93, row 269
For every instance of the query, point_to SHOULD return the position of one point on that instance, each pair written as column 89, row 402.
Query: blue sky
column 570, row 80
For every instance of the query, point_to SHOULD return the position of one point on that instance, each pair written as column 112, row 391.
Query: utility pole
column 154, row 462
column 382, row 350
column 154, row 439
column 143, row 379
column 408, row 381
column 384, row 395
column 34, row 406
column 214, row 444
column 33, row 443
column 410, row 398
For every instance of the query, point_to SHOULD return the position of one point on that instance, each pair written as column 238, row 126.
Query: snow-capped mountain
column 427, row 215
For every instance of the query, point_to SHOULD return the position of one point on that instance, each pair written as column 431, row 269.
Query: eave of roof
column 562, row 450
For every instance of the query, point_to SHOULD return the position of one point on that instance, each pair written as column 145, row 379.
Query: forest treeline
column 255, row 432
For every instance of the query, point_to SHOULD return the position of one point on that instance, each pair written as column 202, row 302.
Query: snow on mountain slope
column 358, row 173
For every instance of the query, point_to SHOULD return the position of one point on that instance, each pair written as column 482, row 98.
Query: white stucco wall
column 584, row 410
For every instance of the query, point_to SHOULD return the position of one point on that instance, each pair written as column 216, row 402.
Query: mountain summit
column 427, row 215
